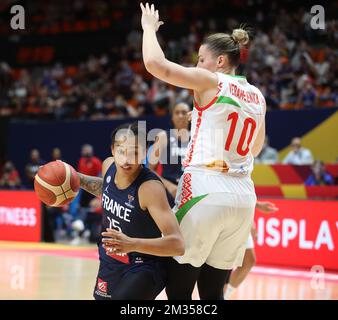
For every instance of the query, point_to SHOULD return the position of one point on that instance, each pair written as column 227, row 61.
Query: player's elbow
column 154, row 66
column 255, row 152
column 180, row 251
column 256, row 149
column 149, row 64
column 178, row 246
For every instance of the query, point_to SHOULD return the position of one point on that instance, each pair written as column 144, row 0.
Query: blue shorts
column 135, row 281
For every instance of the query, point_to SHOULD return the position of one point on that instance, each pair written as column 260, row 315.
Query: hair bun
column 240, row 36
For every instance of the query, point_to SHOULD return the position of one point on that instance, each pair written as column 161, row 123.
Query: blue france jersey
column 122, row 212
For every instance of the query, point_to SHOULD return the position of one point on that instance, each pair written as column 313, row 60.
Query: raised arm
column 155, row 62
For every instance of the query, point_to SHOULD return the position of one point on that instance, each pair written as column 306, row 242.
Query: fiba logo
column 130, row 200
column 18, row 20
column 318, row 20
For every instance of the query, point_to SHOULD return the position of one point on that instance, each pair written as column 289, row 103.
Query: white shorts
column 215, row 225
column 250, row 244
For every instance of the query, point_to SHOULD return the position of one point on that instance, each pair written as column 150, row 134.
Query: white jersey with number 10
column 223, row 132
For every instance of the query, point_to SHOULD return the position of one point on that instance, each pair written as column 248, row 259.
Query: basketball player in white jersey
column 216, row 196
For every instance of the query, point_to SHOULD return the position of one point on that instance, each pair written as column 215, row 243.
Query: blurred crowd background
column 295, row 66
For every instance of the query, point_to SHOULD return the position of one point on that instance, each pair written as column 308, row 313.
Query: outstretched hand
column 266, row 206
column 150, row 17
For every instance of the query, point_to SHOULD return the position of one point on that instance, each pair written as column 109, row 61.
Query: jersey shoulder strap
column 145, row 175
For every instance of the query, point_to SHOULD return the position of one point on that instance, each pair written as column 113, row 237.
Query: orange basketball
column 56, row 183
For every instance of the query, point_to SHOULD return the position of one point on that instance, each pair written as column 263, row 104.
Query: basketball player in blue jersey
column 139, row 229
column 169, row 149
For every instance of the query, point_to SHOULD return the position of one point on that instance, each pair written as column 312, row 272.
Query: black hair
column 129, row 129
column 172, row 112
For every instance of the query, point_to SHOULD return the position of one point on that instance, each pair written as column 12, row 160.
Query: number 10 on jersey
column 249, row 124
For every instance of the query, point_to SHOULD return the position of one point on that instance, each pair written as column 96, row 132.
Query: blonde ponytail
column 240, row 36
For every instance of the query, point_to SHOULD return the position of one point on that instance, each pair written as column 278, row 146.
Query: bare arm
column 91, row 184
column 171, row 187
column 155, row 62
column 152, row 196
column 94, row 185
column 154, row 159
column 158, row 147
column 259, row 142
column 266, row 206
column 258, row 145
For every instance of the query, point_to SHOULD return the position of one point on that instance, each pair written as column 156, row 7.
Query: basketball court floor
column 62, row 272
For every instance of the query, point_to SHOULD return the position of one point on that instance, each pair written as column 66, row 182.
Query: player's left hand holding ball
column 118, row 242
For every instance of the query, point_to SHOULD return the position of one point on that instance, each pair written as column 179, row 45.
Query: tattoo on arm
column 91, row 184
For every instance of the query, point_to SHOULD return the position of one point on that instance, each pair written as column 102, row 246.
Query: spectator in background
column 268, row 154
column 93, row 219
column 293, row 65
column 32, row 167
column 307, row 96
column 88, row 163
column 319, row 176
column 124, row 79
column 91, row 166
column 9, row 178
column 298, row 155
column 81, row 207
column 56, row 154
